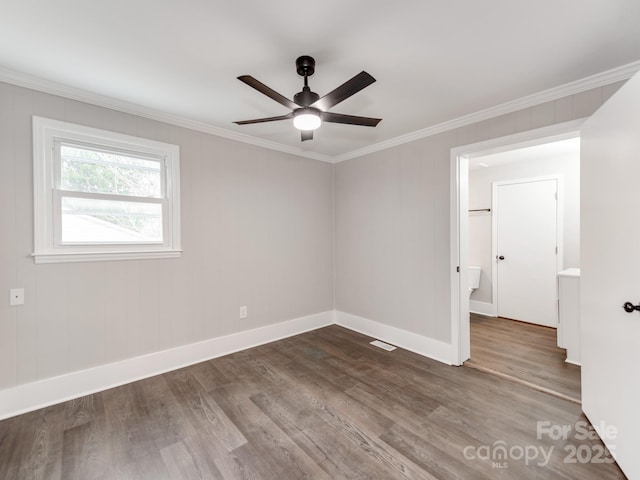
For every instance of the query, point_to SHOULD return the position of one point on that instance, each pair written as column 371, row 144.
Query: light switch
column 16, row 296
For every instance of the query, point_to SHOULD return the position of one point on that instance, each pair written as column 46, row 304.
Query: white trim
column 54, row 88
column 482, row 308
column 42, row 393
column 48, row 135
column 413, row 342
column 73, row 257
column 460, row 325
column 617, row 74
column 455, row 282
column 459, row 275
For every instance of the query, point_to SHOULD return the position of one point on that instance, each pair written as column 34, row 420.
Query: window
column 101, row 195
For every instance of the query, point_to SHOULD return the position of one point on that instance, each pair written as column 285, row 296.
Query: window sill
column 69, row 257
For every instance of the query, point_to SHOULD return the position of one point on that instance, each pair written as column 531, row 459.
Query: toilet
column 474, row 278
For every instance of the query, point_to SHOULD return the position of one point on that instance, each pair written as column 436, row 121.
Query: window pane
column 86, row 170
column 86, row 220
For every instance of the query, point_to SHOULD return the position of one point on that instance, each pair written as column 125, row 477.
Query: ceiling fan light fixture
column 308, row 110
column 307, row 119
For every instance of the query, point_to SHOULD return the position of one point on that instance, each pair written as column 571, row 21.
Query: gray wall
column 480, row 226
column 257, row 230
column 392, row 219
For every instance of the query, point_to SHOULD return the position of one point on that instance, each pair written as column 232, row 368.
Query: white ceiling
column 566, row 148
column 434, row 61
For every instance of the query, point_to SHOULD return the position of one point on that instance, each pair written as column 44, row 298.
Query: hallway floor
column 525, row 353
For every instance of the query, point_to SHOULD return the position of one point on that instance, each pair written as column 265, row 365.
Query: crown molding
column 73, row 93
column 594, row 81
column 623, row 72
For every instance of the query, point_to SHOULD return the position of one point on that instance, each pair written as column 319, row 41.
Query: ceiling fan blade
column 344, row 91
column 268, row 119
column 350, row 119
column 306, row 135
column 262, row 88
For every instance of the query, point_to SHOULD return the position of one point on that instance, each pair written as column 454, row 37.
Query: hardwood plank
column 83, row 457
column 204, row 457
column 270, row 450
column 351, row 450
column 296, row 432
column 232, row 468
column 180, row 463
column 31, row 445
column 45, row 458
column 209, row 375
column 371, row 421
column 203, row 411
column 429, row 456
column 134, row 447
column 161, row 415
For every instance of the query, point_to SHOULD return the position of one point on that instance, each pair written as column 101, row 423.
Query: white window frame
column 48, row 135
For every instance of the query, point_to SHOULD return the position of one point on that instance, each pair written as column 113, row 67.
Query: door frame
column 494, row 230
column 459, row 205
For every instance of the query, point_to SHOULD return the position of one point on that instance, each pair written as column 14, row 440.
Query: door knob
column 630, row 307
column 501, row 257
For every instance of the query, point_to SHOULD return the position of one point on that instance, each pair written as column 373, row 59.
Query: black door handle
column 501, row 257
column 630, row 307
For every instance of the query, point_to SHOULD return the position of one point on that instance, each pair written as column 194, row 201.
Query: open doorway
column 507, row 324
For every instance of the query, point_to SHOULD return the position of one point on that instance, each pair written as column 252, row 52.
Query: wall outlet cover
column 16, row 296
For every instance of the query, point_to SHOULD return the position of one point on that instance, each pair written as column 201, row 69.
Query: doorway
column 485, row 299
column 514, row 235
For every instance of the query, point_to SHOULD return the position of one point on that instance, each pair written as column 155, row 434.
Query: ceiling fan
column 308, row 109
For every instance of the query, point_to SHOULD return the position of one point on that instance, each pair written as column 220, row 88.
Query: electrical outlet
column 16, row 296
column 243, row 311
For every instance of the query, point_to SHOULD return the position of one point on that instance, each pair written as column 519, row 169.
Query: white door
column 526, row 250
column 610, row 273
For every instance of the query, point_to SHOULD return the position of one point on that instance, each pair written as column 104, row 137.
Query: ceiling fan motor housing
column 305, row 66
column 306, row 97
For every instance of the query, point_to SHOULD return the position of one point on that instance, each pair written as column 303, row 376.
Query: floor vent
column 384, row 346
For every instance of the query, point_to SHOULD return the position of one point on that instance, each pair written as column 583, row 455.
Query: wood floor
column 525, row 352
column 322, row 405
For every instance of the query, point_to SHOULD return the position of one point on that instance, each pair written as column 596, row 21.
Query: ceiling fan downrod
column 305, row 66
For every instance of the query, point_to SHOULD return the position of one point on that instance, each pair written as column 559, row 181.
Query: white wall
column 257, row 230
column 609, row 336
column 480, row 223
column 392, row 219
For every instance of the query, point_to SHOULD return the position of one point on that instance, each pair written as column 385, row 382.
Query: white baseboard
column 482, row 308
column 50, row 391
column 419, row 344
column 42, row 393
